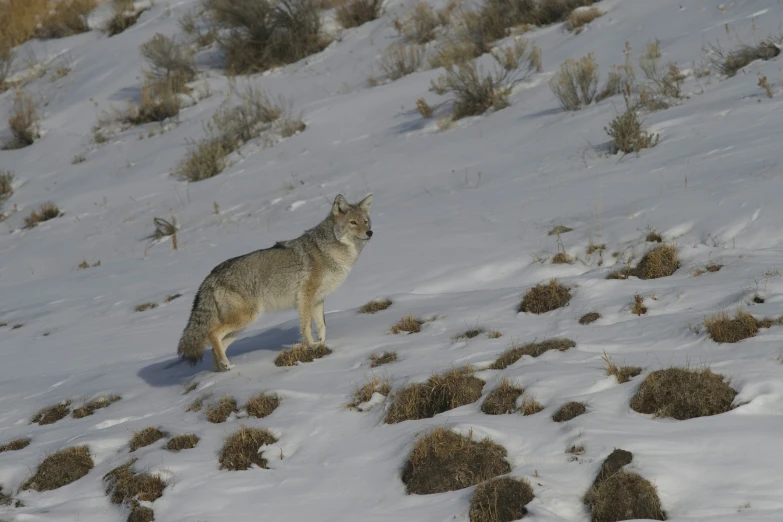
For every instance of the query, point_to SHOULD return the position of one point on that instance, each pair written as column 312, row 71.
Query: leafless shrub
column 23, row 121
column 125, row 16
column 576, row 83
column 6, row 184
column 65, row 18
column 400, row 60
column 354, row 13
column 729, row 63
column 500, row 499
column 421, row 25
column 626, row 134
column 7, row 56
column 240, row 450
column 666, row 83
column 45, row 212
column 170, row 62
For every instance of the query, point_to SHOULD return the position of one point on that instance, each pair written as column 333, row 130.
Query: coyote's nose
column 369, row 233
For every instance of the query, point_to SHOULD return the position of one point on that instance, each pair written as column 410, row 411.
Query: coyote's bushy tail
column 196, row 334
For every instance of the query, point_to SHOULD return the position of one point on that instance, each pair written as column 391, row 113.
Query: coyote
column 292, row 274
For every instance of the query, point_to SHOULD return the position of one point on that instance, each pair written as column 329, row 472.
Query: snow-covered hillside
column 461, row 219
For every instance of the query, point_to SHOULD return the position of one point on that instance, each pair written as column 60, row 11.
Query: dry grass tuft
column 443, row 461
column 125, row 16
column 379, row 359
column 408, row 324
column 45, row 212
column 502, row 399
column 580, row 17
column 638, row 307
column 561, row 258
column 622, row 373
column 653, row 237
column 91, row 407
column 301, row 354
column 171, row 63
column 23, row 121
column 182, row 442
column 730, row 63
column 725, row 329
column 683, row 393
column 569, row 411
column 544, row 298
column 15, row 445
column 65, row 18
column 514, row 353
column 576, row 450
column 140, row 513
column 576, row 83
column 530, row 406
column 589, row 318
column 198, row 403
column 52, row 414
column 661, row 261
column 145, row 437
column 494, row 334
column 500, row 500
column 376, row 305
column 60, row 469
column 354, row 13
column 364, row 393
column 262, row 405
column 399, row 60
column 128, row 487
column 421, row 25
column 469, row 334
column 6, row 184
column 221, row 410
column 240, row 449
column 441, row 392
column 145, row 306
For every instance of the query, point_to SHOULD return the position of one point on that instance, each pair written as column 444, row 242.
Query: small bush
column 240, row 449
column 159, row 102
column 581, row 17
column 638, row 307
column 301, row 354
column 626, row 134
column 182, row 442
column 91, row 407
column 408, row 324
column 661, row 261
column 52, row 414
column 379, row 359
column 443, row 461
column 534, row 349
column 589, row 318
column 170, row 61
column 364, row 393
column 400, row 60
column 259, row 35
column 576, row 83
column 15, row 445
column 23, row 121
column 60, row 469
column 205, row 159
column 6, row 184
column 569, row 411
column 65, row 18
column 262, row 405
column 420, row 25
column 730, row 63
column 725, row 329
column 665, row 83
column 440, row 393
column 45, row 212
column 221, row 410
column 354, row 13
column 622, row 373
column 544, row 298
column 502, row 399
column 500, row 500
column 376, row 305
column 125, row 16
column 682, row 393
column 145, row 437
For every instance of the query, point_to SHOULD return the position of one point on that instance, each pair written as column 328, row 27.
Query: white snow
column 448, row 242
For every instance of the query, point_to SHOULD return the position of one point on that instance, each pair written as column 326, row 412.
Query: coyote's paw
column 222, row 365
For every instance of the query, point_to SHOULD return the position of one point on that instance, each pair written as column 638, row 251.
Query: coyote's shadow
column 174, row 371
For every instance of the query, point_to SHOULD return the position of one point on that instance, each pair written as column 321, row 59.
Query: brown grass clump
column 52, row 414
column 128, row 487
column 60, row 469
column 221, row 410
column 653, row 237
column 399, row 60
column 198, row 402
column 568, row 411
column 301, row 354
column 682, row 393
column 140, row 513
column 502, row 399
column 354, row 13
column 240, row 449
column 45, row 212
column 500, row 500
column 580, row 17
column 729, row 63
column 15, row 445
column 576, row 83
column 561, row 258
column 420, row 25
column 145, row 306
column 408, row 324
column 125, row 16
column 494, row 334
column 443, row 461
column 262, row 405
column 365, row 392
column 182, row 442
column 440, row 393
column 6, row 184
column 379, row 359
column 530, row 406
column 661, row 261
column 544, row 298
column 469, row 334
column 91, row 407
column 376, row 305
column 589, row 318
column 23, row 121
column 159, row 102
column 638, row 305
column 534, row 349
column 145, row 437
column 65, row 18
column 622, row 373
column 725, row 329
column 626, row 134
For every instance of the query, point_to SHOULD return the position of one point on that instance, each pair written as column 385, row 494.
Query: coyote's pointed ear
column 340, row 205
column 366, row 203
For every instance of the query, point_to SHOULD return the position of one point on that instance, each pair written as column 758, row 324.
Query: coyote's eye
column 353, row 222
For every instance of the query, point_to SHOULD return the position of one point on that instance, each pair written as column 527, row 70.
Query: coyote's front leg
column 320, row 322
column 305, row 306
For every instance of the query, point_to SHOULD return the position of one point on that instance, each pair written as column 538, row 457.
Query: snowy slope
column 448, row 242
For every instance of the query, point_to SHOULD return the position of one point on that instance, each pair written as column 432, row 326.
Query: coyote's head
column 352, row 222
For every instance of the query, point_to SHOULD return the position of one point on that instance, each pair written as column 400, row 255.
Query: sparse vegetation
column 530, row 406
column 60, row 469
column 729, row 63
column 622, row 373
column 589, row 318
column 494, row 334
column 146, row 306
column 198, row 402
column 364, row 393
column 91, row 407
column 569, row 411
column 15, row 445
column 240, row 449
column 127, row 487
column 6, row 184
column 502, row 399
column 379, row 359
column 441, row 392
column 576, row 83
column 664, row 83
column 182, row 442
column 221, row 410
column 421, row 25
column 580, row 17
column 561, row 258
column 23, row 121
column 626, row 134
column 399, row 60
column 683, row 393
column 45, row 212
column 301, row 354
column 638, row 307
column 144, row 437
column 442, row 460
column 354, row 13
column 171, row 63
column 469, row 334
column 534, row 349
column 653, row 237
column 64, row 18
column 660, row 261
column 125, row 15
column 262, row 405
column 544, row 298
column 52, row 414
column 7, row 56
column 408, row 324
column 723, row 328
column 376, row 305
column 500, row 500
